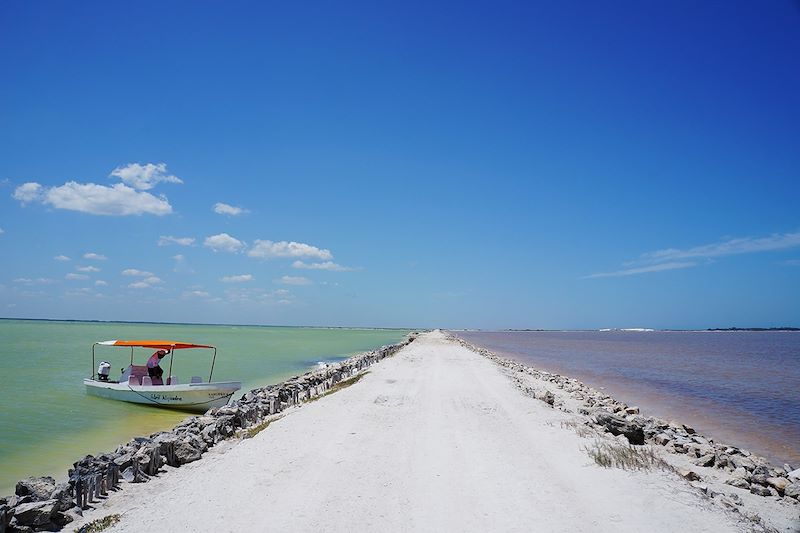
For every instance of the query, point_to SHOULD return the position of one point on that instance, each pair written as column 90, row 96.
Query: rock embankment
column 699, row 459
column 41, row 504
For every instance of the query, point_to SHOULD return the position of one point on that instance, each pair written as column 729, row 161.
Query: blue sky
column 536, row 164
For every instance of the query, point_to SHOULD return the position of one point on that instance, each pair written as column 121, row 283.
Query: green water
column 47, row 420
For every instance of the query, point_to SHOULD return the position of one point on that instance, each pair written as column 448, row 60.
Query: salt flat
column 436, row 438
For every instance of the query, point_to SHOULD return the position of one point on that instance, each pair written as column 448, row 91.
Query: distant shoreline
column 201, row 324
column 626, row 330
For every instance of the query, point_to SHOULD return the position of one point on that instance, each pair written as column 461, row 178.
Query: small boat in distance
column 135, row 384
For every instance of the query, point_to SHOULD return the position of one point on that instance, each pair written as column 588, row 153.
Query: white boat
column 136, row 386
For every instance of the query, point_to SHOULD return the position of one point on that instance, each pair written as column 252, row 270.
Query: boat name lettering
column 166, row 397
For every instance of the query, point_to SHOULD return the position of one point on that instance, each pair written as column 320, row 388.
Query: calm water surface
column 742, row 388
column 47, row 420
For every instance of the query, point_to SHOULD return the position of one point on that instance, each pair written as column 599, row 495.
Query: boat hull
column 196, row 397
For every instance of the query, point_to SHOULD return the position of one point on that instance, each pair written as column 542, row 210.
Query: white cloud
column 146, row 283
column 284, row 302
column 28, row 192
column 676, row 258
column 136, row 272
column 744, row 245
column 201, row 294
column 95, row 199
column 87, row 269
column 100, row 283
column 94, row 256
column 237, row 279
column 166, row 240
column 642, row 270
column 37, row 281
column 792, row 262
column 61, row 258
column 223, row 242
column 225, row 209
column 294, row 280
column 144, row 177
column 270, row 249
column 326, row 265
column 73, row 276
column 2, row 231
column 178, row 257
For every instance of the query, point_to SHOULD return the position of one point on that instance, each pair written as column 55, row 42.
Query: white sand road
column 436, row 438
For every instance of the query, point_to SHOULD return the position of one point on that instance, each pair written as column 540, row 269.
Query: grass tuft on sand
column 626, row 457
column 100, row 524
column 340, row 385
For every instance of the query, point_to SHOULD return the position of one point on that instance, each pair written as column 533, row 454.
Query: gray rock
column 792, row 490
column 699, row 485
column 548, row 398
column 617, row 425
column 35, row 513
column 662, row 438
column 741, row 473
column 39, row 488
column 63, row 496
column 706, row 460
column 738, row 483
column 743, row 462
column 689, row 475
column 761, row 490
column 794, row 475
column 186, row 453
column 124, row 460
column 15, row 500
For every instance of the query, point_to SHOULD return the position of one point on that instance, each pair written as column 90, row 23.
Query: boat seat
column 146, row 381
column 133, row 380
column 197, row 379
column 173, row 380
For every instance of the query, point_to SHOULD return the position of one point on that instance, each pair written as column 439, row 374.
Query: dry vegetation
column 625, row 456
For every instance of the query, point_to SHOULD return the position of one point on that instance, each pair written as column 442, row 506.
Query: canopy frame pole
column 213, row 360
column 131, row 355
column 171, row 357
column 91, row 374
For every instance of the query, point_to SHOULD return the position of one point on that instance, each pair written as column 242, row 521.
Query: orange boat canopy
column 154, row 344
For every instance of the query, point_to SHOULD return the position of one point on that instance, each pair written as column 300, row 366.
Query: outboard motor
column 103, row 370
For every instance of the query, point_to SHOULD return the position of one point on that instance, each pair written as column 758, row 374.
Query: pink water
column 740, row 388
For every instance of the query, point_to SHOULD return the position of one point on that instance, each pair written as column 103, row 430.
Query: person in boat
column 153, row 368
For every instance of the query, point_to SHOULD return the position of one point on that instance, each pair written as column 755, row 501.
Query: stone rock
column 761, row 491
column 616, row 425
column 15, row 500
column 62, row 494
column 699, row 485
column 741, row 473
column 689, row 475
column 186, row 453
column 794, row 475
column 793, row 490
column 632, row 410
column 5, row 517
column 35, row 513
column 39, row 488
column 548, row 398
column 663, row 439
column 738, row 483
column 778, row 483
column 743, row 462
column 706, row 460
column 124, row 460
